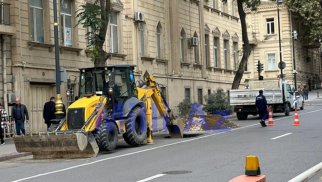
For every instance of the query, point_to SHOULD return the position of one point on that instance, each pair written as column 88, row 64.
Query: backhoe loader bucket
column 176, row 128
column 58, row 145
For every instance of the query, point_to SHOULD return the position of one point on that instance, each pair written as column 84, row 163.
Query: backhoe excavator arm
column 152, row 91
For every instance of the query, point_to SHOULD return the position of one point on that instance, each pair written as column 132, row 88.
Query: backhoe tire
column 106, row 136
column 241, row 116
column 136, row 127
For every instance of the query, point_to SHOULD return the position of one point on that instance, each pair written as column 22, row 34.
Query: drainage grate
column 177, row 172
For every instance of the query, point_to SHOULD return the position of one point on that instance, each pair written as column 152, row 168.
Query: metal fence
column 4, row 13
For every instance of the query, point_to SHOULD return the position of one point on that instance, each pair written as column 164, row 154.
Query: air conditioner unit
column 194, row 41
column 139, row 16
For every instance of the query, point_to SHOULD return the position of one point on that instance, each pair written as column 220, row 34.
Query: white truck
column 243, row 100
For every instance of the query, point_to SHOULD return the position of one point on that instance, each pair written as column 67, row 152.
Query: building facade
column 191, row 46
column 264, row 38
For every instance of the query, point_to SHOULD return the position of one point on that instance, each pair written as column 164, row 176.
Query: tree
column 308, row 15
column 94, row 16
column 242, row 4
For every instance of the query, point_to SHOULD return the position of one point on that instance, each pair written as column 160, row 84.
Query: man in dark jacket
column 261, row 105
column 19, row 114
column 49, row 111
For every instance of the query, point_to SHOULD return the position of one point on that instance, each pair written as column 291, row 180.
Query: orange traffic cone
column 270, row 119
column 296, row 119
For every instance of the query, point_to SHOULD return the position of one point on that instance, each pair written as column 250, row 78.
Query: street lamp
column 294, row 37
column 281, row 63
column 59, row 103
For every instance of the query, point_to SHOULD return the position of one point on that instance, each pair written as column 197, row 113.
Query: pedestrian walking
column 19, row 115
column 49, row 111
column 1, row 129
column 306, row 93
column 261, row 105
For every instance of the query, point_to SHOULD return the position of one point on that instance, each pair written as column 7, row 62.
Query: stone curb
column 13, row 156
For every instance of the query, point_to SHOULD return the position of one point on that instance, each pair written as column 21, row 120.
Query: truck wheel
column 241, row 116
column 287, row 110
column 136, row 127
column 106, row 136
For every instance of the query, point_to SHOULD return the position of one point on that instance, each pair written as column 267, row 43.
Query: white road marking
column 306, row 175
column 281, row 136
column 145, row 150
column 151, row 178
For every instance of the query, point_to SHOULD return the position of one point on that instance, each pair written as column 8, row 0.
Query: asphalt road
column 284, row 152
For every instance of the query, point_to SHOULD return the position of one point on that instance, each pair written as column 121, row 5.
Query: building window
column 36, row 20
column 216, row 51
column 196, row 51
column 142, row 39
column 182, row 45
column 233, row 7
column 66, row 21
column 114, row 40
column 207, row 50
column 271, row 62
column 209, row 91
column 90, row 37
column 226, row 53
column 270, row 25
column 214, row 4
column 224, row 6
column 187, row 94
column 200, row 99
column 158, row 35
column 235, row 54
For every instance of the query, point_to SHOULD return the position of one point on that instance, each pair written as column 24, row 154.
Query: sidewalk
column 8, row 151
column 315, row 95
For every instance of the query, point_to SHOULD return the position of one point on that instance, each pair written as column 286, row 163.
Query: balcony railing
column 4, row 13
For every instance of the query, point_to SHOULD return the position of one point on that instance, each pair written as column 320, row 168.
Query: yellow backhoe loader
column 110, row 104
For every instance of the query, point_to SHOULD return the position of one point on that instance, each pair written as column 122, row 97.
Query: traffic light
column 260, row 67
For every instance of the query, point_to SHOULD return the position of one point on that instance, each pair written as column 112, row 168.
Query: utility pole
column 294, row 37
column 59, row 102
column 280, row 48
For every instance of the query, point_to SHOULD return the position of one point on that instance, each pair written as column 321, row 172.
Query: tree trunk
column 100, row 61
column 246, row 47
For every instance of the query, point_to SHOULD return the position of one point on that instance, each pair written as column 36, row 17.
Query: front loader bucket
column 58, row 145
column 176, row 128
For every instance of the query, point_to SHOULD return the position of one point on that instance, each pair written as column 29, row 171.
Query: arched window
column 158, row 35
column 182, row 45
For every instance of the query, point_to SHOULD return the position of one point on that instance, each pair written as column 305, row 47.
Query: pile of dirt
column 208, row 122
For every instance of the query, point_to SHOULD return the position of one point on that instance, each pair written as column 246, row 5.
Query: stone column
column 174, row 63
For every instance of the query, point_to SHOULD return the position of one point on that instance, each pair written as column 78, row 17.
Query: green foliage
column 184, row 107
column 309, row 16
column 95, row 17
column 252, row 4
column 217, row 101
